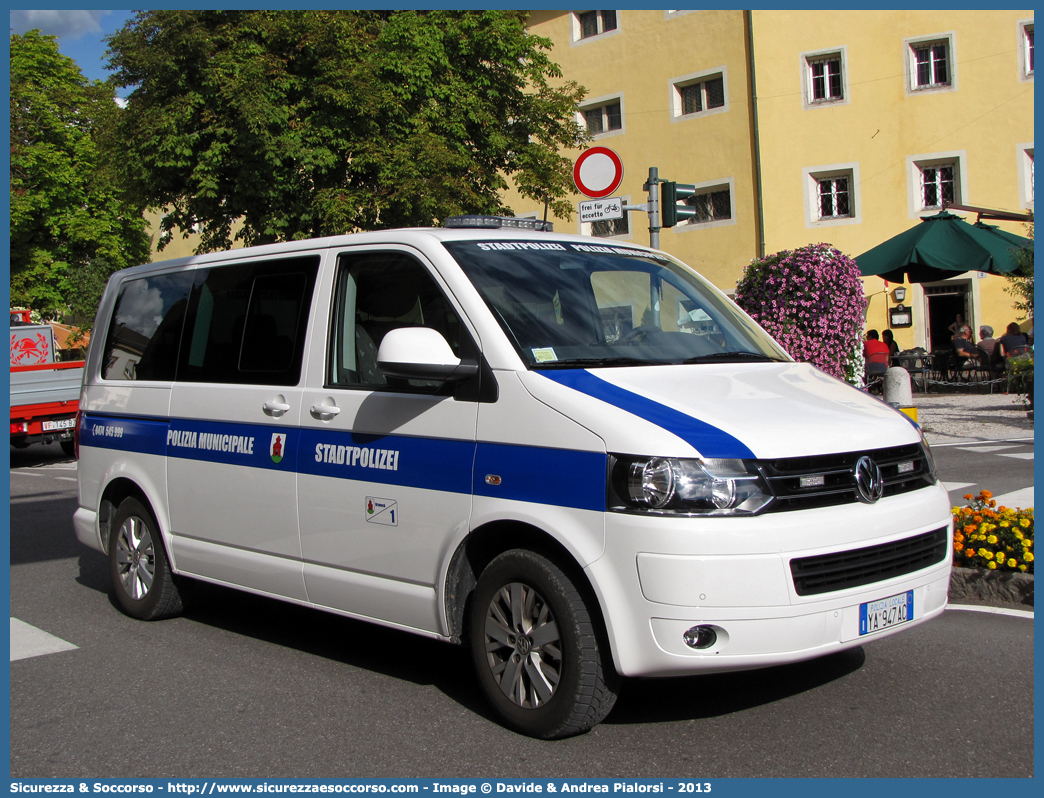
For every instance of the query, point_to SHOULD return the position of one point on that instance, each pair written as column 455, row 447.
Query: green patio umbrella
column 942, row 246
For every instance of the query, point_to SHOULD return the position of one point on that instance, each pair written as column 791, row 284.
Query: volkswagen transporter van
column 581, row 460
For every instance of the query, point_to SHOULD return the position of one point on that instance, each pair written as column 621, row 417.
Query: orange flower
column 958, row 546
column 968, row 496
column 987, row 495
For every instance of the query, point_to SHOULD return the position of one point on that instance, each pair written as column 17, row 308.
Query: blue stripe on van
column 558, row 477
column 708, row 440
column 561, row 477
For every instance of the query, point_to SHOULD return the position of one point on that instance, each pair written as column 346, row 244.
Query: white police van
column 581, row 460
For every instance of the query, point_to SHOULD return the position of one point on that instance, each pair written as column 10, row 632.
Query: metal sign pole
column 654, row 206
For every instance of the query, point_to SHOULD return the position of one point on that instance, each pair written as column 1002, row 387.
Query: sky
column 80, row 34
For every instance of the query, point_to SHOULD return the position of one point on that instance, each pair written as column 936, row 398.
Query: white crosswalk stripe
column 28, row 641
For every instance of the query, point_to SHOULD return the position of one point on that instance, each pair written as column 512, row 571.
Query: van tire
column 141, row 577
column 561, row 684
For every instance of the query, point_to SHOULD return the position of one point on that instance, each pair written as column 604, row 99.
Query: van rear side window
column 246, row 323
column 142, row 340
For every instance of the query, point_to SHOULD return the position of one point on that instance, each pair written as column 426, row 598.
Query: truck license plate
column 64, row 423
column 885, row 613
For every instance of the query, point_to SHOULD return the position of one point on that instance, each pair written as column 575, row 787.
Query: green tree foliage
column 70, row 225
column 1020, row 281
column 297, row 124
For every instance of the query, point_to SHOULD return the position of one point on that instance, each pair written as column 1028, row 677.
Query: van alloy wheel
column 523, row 649
column 535, row 648
column 138, row 565
column 135, row 558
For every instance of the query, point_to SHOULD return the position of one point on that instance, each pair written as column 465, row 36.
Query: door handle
column 325, row 412
column 276, row 407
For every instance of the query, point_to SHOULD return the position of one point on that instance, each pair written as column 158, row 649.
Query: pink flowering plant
column 811, row 301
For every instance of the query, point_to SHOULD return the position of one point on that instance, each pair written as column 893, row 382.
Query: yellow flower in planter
column 983, row 553
column 1028, row 556
column 1005, row 524
column 1023, row 568
column 992, row 565
column 1012, row 563
column 991, row 539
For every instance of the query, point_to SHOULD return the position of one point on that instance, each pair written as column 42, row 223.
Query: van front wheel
column 535, row 649
column 141, row 577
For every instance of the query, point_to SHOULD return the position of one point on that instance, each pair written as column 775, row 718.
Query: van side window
column 246, row 322
column 377, row 292
column 143, row 336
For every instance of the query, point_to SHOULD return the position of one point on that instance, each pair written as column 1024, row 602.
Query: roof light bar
column 499, row 222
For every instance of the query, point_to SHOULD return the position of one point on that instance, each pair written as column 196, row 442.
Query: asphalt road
column 244, row 686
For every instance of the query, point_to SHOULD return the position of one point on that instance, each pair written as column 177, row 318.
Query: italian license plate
column 64, row 423
column 886, row 613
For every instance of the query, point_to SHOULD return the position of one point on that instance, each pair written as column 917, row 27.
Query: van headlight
column 670, row 485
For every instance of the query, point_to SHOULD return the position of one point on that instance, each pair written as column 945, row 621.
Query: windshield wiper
column 738, row 356
column 595, row 362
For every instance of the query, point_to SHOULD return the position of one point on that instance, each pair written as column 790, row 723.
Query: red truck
column 45, row 392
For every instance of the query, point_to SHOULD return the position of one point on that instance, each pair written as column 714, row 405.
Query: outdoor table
column 918, row 364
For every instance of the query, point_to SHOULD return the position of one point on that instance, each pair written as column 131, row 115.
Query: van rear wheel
column 535, row 649
column 141, row 576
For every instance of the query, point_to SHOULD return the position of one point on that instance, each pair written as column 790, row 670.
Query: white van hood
column 759, row 410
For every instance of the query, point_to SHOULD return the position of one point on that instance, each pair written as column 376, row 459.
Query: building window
column 698, row 97
column 935, row 180
column 1025, row 166
column 603, row 119
column 834, row 201
column 713, row 206
column 825, row 79
column 603, row 116
column 931, row 64
column 699, row 93
column 831, row 195
column 937, row 186
column 1026, row 50
column 589, row 24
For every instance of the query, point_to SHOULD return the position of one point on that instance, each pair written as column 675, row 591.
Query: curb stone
column 991, row 586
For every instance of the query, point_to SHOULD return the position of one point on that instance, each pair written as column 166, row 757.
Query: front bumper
column 661, row 576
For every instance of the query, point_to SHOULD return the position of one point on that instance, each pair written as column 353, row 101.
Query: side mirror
column 421, row 353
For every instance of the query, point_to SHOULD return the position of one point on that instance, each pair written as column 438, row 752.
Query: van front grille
column 825, row 573
column 802, row 483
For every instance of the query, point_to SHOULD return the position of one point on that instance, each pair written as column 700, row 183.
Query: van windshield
column 572, row 305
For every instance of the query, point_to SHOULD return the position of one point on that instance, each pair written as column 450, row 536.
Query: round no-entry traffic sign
column 597, row 172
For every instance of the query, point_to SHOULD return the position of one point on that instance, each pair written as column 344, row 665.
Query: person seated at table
column 964, row 350
column 889, row 340
column 987, row 342
column 1013, row 341
column 876, row 354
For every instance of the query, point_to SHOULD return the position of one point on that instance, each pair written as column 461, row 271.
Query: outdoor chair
column 990, row 368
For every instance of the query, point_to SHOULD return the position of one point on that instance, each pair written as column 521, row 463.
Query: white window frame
column 601, row 102
column 1025, row 169
column 709, row 187
column 807, row 81
column 910, row 47
column 915, row 164
column 584, row 228
column 810, row 179
column 576, row 30
column 1025, row 33
column 675, row 86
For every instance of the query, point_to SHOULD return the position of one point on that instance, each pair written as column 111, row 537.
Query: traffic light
column 670, row 194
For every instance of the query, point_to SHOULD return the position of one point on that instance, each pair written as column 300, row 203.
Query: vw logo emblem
column 868, row 480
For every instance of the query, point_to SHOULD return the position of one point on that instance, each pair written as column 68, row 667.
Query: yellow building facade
column 800, row 127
